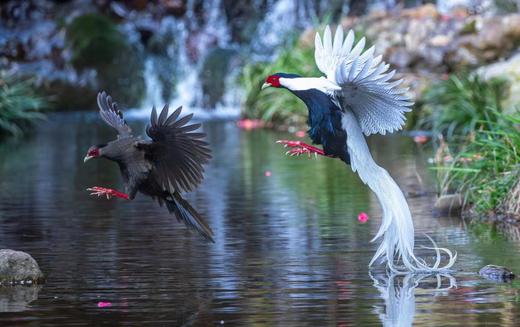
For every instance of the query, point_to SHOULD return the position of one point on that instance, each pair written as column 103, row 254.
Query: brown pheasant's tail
column 189, row 216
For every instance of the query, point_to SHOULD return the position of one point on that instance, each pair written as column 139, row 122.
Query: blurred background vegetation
column 19, row 105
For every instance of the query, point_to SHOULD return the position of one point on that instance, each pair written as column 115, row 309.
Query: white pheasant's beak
column 87, row 158
column 266, row 85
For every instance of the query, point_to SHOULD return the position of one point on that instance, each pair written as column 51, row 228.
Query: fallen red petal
column 362, row 217
column 420, row 139
column 249, row 124
column 103, row 304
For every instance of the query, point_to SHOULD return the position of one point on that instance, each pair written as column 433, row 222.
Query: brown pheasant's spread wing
column 177, row 151
column 111, row 114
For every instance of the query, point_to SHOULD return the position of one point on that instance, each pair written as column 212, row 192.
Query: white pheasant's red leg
column 299, row 148
column 108, row 192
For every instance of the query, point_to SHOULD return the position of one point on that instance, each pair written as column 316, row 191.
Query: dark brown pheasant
column 163, row 167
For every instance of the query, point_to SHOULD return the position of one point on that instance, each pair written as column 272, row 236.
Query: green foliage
column 19, row 105
column 461, row 104
column 468, row 111
column 94, row 40
column 272, row 105
column 469, row 28
column 488, row 166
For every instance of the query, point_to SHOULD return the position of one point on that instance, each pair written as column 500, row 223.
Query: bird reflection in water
column 398, row 292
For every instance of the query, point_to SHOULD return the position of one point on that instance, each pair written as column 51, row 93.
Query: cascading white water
column 194, row 38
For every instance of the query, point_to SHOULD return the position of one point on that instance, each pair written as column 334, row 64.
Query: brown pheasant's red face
column 273, row 80
column 93, row 152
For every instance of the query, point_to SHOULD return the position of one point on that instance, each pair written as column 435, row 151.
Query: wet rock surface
column 17, row 267
column 497, row 273
column 448, row 205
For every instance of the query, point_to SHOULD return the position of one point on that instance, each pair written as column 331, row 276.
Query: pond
column 289, row 249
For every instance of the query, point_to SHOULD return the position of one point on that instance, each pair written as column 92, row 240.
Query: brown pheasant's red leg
column 299, row 148
column 99, row 191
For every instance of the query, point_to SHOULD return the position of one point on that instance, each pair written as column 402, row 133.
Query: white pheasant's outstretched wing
column 330, row 54
column 378, row 103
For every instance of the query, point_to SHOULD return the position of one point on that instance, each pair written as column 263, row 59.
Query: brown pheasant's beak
column 266, row 85
column 87, row 158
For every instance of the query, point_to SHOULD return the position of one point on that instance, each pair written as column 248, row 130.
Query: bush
column 273, row 105
column 467, row 111
column 19, row 105
column 488, row 167
column 462, row 104
column 94, row 40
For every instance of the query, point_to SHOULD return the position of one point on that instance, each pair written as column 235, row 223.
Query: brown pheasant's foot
column 108, row 192
column 299, row 148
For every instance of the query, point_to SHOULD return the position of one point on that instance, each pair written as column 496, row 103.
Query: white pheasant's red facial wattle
column 273, row 80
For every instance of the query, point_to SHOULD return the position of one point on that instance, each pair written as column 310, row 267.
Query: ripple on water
column 289, row 249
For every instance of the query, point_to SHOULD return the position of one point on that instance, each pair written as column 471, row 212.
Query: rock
column 94, row 40
column 440, row 40
column 400, row 58
column 511, row 206
column 497, row 273
column 425, row 11
column 213, row 75
column 448, row 205
column 18, row 267
column 509, row 69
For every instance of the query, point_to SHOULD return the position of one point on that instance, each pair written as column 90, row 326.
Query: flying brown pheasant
column 163, row 167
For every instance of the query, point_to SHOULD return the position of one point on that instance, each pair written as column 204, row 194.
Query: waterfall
column 191, row 38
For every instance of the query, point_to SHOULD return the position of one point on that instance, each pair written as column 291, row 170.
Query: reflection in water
column 17, row 298
column 398, row 292
column 289, row 250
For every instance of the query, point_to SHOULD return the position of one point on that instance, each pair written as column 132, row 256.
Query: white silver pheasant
column 357, row 97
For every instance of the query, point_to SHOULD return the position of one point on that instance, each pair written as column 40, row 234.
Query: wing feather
column 367, row 88
column 163, row 115
column 177, row 153
column 111, row 115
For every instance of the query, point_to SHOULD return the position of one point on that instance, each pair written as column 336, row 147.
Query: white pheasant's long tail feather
column 396, row 231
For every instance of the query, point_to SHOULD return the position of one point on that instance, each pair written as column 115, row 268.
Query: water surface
column 289, row 250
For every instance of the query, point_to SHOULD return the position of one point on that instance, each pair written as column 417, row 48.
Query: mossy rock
column 94, row 40
column 17, row 267
column 214, row 74
column 65, row 95
column 96, row 43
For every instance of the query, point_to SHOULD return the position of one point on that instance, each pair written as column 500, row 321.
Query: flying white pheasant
column 358, row 97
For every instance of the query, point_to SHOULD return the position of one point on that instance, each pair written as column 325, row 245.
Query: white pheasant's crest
column 378, row 103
